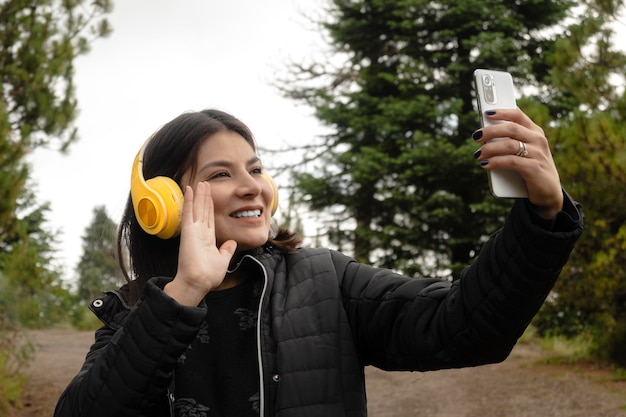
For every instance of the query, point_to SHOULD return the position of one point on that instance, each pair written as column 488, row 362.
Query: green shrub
column 16, row 350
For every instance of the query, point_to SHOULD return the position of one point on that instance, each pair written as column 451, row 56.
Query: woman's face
column 241, row 196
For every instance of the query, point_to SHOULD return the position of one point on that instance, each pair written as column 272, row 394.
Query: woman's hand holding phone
column 537, row 167
column 515, row 151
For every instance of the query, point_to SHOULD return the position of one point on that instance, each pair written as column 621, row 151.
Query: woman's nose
column 249, row 186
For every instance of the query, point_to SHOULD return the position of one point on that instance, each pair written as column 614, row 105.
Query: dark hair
column 171, row 152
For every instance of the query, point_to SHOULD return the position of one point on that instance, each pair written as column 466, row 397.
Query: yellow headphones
column 158, row 202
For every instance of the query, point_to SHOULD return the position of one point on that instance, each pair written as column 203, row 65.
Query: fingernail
column 477, row 135
column 484, row 163
column 490, row 112
column 477, row 154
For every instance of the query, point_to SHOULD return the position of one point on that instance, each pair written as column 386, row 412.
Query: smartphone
column 495, row 90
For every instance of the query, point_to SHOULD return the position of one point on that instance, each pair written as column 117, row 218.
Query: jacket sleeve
column 129, row 367
column 401, row 323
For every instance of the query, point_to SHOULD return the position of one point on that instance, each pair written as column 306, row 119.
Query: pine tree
column 97, row 267
column 39, row 40
column 30, row 289
column 396, row 177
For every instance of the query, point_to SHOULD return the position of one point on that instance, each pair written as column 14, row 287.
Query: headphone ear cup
column 274, row 203
column 158, row 207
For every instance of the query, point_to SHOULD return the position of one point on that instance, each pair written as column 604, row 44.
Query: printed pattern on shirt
column 218, row 373
column 188, row 407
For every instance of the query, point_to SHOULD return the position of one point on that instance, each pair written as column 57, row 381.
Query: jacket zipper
column 258, row 339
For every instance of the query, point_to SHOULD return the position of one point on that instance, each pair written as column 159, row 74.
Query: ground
column 521, row 386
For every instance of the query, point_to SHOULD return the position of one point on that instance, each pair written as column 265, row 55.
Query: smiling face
column 241, row 196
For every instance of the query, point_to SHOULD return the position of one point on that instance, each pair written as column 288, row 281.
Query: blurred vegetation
column 585, row 119
column 97, row 267
column 15, row 352
column 39, row 41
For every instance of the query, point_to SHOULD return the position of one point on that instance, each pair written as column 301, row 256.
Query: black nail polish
column 490, row 112
column 484, row 163
column 477, row 154
column 477, row 135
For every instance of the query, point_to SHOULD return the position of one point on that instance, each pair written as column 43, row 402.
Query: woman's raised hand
column 202, row 265
column 536, row 166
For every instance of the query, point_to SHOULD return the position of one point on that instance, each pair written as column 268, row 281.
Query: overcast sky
column 164, row 58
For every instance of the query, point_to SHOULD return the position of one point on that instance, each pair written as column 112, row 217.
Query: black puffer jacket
column 323, row 317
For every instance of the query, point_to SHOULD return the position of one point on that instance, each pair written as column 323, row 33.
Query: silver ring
column 522, row 151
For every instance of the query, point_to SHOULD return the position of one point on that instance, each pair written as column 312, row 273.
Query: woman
column 220, row 320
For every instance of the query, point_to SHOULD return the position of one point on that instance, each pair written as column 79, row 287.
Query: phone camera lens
column 487, row 80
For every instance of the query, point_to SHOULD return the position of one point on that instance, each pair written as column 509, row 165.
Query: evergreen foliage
column 587, row 109
column 39, row 40
column 97, row 267
column 394, row 177
column 401, row 110
column 31, row 292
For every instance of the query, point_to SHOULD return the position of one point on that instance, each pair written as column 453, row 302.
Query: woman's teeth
column 247, row 213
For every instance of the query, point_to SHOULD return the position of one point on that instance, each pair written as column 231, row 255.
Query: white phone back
column 504, row 183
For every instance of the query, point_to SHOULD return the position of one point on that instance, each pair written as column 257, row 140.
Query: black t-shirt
column 218, row 374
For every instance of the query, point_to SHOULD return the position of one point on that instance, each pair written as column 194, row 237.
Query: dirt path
column 515, row 388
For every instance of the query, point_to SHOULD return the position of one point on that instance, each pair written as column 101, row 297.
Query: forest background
column 392, row 180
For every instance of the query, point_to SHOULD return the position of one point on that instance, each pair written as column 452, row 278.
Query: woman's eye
column 219, row 175
column 257, row 170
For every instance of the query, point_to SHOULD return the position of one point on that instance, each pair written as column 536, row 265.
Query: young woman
column 223, row 317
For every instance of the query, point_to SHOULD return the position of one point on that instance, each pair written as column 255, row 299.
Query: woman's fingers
column 516, row 116
column 519, row 144
column 202, row 266
column 202, row 203
column 205, row 211
column 187, row 213
column 228, row 249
